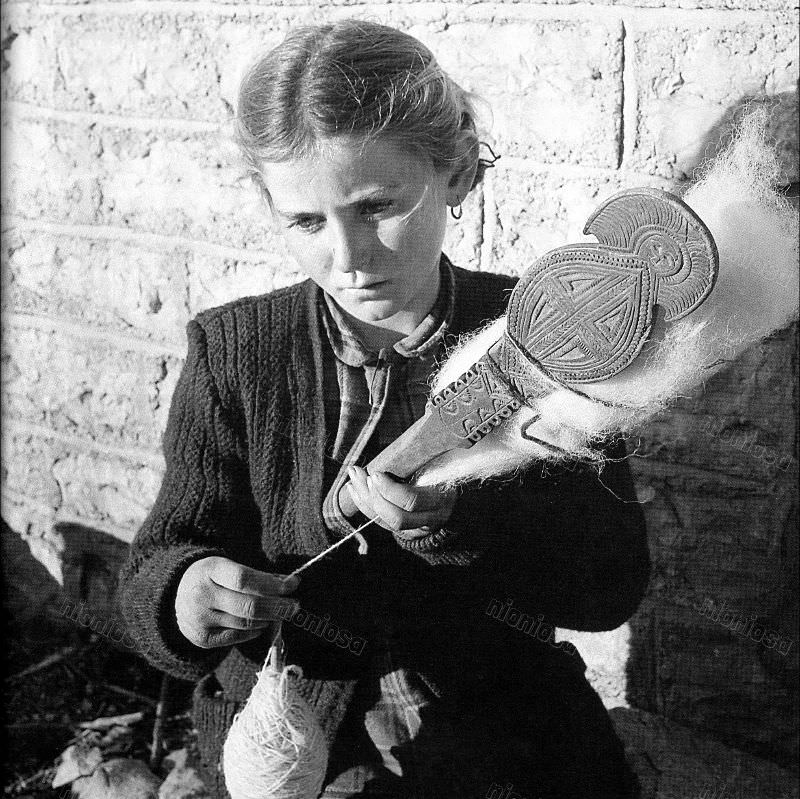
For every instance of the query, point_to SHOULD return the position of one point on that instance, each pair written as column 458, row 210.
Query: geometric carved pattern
column 584, row 311
column 475, row 403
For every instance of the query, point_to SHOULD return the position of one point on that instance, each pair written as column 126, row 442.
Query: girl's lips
column 367, row 286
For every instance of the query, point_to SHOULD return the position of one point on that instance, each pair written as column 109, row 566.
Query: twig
column 157, row 746
column 125, row 692
column 124, row 720
column 50, row 660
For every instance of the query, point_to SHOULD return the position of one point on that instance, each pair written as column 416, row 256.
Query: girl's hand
column 400, row 506
column 220, row 602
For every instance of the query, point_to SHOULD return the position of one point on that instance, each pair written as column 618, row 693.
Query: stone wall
column 125, row 213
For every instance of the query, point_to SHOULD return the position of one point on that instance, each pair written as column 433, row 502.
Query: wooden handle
column 420, row 443
column 455, row 418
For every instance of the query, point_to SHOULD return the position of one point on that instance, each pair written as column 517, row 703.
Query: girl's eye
column 306, row 223
column 376, row 208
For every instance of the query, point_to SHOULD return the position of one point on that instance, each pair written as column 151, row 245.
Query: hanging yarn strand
column 326, row 552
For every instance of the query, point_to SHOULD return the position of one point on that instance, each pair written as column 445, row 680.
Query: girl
column 426, row 683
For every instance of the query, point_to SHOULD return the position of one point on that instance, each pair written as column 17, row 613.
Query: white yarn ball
column 276, row 748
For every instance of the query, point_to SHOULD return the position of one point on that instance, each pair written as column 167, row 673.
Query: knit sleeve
column 469, row 518
column 204, row 498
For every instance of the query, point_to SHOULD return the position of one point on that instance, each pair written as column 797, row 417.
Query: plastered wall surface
column 125, row 213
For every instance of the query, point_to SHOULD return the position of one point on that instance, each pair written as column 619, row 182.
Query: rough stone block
column 187, row 185
column 690, row 79
column 537, row 210
column 214, row 281
column 114, row 285
column 93, row 389
column 606, row 658
column 553, row 86
column 715, row 680
column 672, row 762
column 104, row 491
column 721, row 513
column 183, row 65
column 29, row 64
column 50, row 169
column 188, row 66
column 742, row 423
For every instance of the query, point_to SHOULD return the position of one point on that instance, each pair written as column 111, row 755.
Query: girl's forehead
column 349, row 163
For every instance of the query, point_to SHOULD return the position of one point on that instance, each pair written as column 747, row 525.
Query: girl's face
column 365, row 221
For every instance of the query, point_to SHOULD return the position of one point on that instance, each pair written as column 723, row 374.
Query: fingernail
column 369, row 482
column 291, row 582
column 351, row 472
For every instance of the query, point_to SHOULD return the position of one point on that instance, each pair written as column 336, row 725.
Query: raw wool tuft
column 756, row 232
column 276, row 747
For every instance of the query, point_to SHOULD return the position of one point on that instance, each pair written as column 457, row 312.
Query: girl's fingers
column 393, row 517
column 398, row 506
column 410, row 498
column 242, row 579
column 225, row 636
column 359, row 491
column 218, row 620
column 254, row 607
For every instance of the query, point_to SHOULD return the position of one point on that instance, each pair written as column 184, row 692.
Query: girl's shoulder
column 280, row 302
column 242, row 338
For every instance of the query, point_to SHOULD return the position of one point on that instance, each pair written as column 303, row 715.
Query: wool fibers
column 756, row 293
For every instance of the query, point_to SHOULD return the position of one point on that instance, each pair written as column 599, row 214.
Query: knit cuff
column 430, row 541
column 149, row 587
column 469, row 515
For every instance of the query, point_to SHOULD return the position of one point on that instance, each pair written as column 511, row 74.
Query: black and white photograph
column 400, row 399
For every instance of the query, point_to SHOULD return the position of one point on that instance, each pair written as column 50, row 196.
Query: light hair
column 352, row 78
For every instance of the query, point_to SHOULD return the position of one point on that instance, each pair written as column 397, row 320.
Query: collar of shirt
column 349, row 349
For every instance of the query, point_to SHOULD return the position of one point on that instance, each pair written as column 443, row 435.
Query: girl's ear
column 463, row 179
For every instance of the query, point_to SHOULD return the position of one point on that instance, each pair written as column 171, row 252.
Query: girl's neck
column 376, row 337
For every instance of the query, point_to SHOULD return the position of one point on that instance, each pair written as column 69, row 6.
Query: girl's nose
column 348, row 248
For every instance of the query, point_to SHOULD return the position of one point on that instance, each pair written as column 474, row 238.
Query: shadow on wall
column 35, row 602
column 713, row 646
column 782, row 129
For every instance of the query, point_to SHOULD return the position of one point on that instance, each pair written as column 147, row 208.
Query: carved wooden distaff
column 580, row 314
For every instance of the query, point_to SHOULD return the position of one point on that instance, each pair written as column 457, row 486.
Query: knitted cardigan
column 244, row 449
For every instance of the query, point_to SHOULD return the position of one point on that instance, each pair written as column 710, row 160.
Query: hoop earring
column 456, row 214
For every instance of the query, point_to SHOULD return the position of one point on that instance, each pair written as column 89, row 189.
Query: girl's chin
column 369, row 310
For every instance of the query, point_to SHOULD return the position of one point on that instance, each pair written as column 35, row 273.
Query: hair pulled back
column 352, row 78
